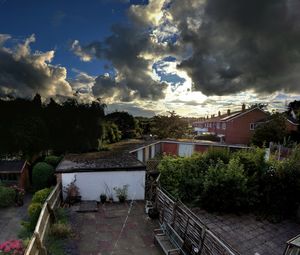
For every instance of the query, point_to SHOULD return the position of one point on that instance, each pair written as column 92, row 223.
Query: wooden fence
column 198, row 239
column 36, row 245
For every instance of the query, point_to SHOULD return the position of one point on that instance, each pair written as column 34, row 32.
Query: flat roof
column 11, row 166
column 99, row 161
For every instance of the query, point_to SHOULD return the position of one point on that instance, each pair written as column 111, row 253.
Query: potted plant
column 103, row 198
column 121, row 193
column 72, row 192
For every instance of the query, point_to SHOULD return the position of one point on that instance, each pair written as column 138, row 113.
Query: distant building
column 233, row 127
column 14, row 172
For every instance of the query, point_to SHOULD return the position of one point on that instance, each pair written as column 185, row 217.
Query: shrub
column 34, row 211
column 12, row 247
column 213, row 155
column 7, row 196
column 60, row 230
column 183, row 177
column 41, row 195
column 52, row 160
column 225, row 187
column 42, row 175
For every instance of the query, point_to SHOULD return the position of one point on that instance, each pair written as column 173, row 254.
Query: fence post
column 42, row 249
column 51, row 212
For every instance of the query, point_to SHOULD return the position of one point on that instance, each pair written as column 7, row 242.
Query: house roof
column 100, row 161
column 241, row 113
column 12, row 166
column 226, row 117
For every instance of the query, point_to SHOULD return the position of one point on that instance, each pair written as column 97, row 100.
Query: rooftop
column 11, row 166
column 113, row 159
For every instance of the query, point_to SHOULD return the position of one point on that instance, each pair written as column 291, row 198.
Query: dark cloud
column 23, row 73
column 240, row 44
column 124, row 49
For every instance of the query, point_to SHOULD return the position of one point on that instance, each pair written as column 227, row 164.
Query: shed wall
column 92, row 184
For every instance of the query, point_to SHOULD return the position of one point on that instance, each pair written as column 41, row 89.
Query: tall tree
column 168, row 126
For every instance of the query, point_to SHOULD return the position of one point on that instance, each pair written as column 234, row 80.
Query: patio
column 115, row 229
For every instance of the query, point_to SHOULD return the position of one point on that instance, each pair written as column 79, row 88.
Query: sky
column 195, row 57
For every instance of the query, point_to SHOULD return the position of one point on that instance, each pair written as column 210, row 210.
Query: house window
column 252, row 126
column 224, row 126
column 218, row 125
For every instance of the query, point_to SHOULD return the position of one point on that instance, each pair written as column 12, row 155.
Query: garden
column 43, row 180
column 235, row 182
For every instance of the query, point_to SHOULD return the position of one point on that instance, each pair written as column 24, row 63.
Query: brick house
column 14, row 172
column 233, row 127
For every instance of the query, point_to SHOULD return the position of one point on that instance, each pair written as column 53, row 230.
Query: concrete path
column 10, row 220
column 249, row 236
column 115, row 230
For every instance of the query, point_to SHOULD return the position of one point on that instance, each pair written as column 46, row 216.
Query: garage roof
column 100, row 161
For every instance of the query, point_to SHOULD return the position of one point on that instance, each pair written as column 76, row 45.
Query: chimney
column 228, row 112
column 219, row 113
column 243, row 107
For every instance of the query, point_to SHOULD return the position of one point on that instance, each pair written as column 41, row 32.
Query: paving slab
column 249, row 236
column 115, row 229
column 10, row 220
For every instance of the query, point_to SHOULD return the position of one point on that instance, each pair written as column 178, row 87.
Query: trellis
column 198, row 239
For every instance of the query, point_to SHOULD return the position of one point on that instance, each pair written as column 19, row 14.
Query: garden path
column 116, row 229
column 10, row 220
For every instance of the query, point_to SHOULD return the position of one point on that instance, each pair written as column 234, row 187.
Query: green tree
column 168, row 126
column 273, row 130
column 126, row 123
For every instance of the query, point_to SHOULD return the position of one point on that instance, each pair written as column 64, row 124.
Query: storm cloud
column 240, row 44
column 23, row 74
column 125, row 49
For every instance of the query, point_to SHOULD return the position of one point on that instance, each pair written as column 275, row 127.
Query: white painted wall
column 140, row 155
column 152, row 151
column 185, row 150
column 92, row 184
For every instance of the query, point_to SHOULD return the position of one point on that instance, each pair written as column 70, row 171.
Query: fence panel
column 198, row 239
column 36, row 244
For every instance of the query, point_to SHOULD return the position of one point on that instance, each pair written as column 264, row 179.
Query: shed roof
column 11, row 166
column 100, row 161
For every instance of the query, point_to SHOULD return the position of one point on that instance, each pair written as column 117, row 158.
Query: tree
column 168, row 126
column 273, row 130
column 125, row 122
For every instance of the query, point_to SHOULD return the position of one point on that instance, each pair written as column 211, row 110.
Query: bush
column 213, row 155
column 42, row 175
column 41, row 195
column 34, row 211
column 52, row 160
column 60, row 230
column 7, row 196
column 225, row 187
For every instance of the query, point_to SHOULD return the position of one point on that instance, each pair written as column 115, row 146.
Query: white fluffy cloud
column 23, row 73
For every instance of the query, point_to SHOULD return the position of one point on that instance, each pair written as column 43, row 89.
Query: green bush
column 34, row 211
column 225, row 187
column 52, row 160
column 60, row 230
column 41, row 195
column 42, row 175
column 7, row 196
column 213, row 155
column 183, row 177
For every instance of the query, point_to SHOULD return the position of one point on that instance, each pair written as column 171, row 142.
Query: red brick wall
column 238, row 129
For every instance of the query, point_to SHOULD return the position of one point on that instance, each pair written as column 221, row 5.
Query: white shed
column 101, row 172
